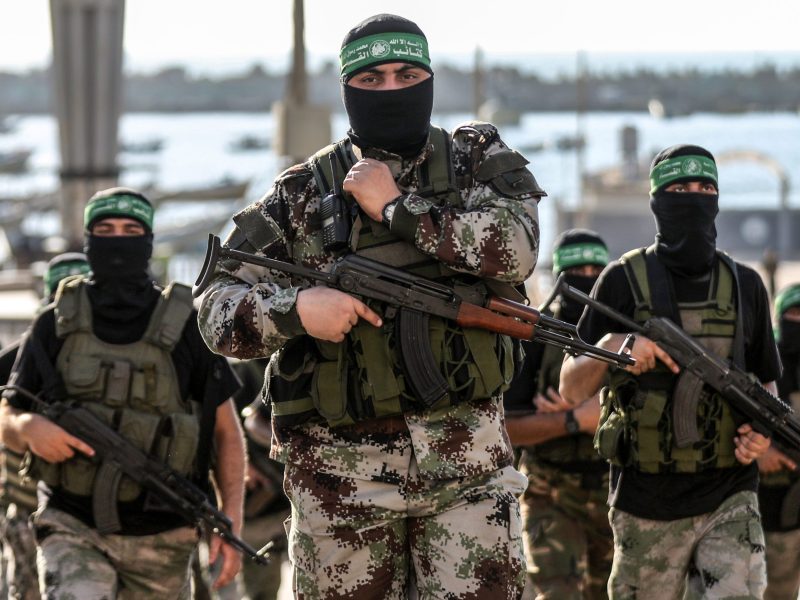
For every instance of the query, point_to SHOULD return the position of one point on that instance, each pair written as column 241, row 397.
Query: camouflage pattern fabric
column 249, row 311
column 783, row 565
column 19, row 556
column 568, row 541
column 716, row 555
column 460, row 453
column 353, row 537
column 75, row 562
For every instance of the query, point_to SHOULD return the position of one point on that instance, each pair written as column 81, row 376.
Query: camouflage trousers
column 715, row 555
column 568, row 541
column 355, row 538
column 783, row 565
column 75, row 561
column 19, row 556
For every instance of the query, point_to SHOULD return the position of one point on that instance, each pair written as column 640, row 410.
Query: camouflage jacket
column 250, row 311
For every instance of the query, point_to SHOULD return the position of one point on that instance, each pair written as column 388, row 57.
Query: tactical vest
column 132, row 387
column 641, row 406
column 572, row 452
column 362, row 378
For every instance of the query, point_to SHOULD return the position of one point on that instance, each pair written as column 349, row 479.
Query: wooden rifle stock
column 470, row 315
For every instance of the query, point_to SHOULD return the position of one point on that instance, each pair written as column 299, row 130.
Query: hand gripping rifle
column 118, row 457
column 417, row 298
column 768, row 414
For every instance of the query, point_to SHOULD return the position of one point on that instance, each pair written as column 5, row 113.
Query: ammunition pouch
column 362, row 378
column 172, row 439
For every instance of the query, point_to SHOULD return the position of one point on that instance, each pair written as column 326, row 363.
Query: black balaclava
column 121, row 290
column 395, row 120
column 576, row 248
column 788, row 331
column 686, row 238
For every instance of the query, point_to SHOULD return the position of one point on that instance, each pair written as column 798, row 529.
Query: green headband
column 384, row 47
column 575, row 255
column 58, row 272
column 119, row 205
column 682, row 167
column 786, row 299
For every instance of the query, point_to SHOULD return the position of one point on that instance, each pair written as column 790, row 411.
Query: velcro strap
column 260, row 229
column 501, row 162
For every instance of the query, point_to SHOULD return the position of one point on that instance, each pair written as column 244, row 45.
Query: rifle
column 120, row 457
column 418, row 298
column 769, row 415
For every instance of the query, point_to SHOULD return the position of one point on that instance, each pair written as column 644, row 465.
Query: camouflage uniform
column 90, row 565
column 414, row 479
column 783, row 565
column 19, row 547
column 568, row 541
column 661, row 552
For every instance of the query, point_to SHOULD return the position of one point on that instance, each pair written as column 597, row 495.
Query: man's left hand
column 371, row 183
column 231, row 561
column 749, row 444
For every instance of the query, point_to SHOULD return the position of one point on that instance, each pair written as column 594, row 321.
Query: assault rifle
column 120, row 457
column 417, row 298
column 768, row 414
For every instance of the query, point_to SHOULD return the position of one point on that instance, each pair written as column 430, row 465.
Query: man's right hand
column 329, row 314
column 645, row 351
column 49, row 441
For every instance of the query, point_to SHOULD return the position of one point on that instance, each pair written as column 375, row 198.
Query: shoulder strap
column 636, row 272
column 72, row 310
column 169, row 317
column 320, row 163
column 738, row 334
column 660, row 282
column 437, row 174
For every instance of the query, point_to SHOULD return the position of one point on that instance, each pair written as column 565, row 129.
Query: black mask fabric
column 687, row 237
column 789, row 336
column 394, row 120
column 122, row 293
column 571, row 310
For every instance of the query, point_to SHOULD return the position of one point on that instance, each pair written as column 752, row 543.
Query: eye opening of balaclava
column 394, row 120
column 686, row 234
column 577, row 248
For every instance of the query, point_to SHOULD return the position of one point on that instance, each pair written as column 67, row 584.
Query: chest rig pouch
column 131, row 387
column 638, row 417
column 364, row 377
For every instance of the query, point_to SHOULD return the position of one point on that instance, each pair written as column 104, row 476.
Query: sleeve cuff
column 284, row 313
column 404, row 223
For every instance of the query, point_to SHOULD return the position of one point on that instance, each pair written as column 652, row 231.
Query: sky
column 216, row 35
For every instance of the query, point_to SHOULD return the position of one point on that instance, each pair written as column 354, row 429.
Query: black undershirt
column 192, row 360
column 670, row 496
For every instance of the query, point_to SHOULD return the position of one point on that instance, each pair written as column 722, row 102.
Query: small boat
column 143, row 146
column 247, row 143
column 14, row 161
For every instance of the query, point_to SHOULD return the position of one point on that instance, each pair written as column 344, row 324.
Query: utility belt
column 173, row 439
column 364, row 378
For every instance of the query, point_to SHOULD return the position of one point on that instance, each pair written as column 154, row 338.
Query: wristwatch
column 571, row 424
column 388, row 211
